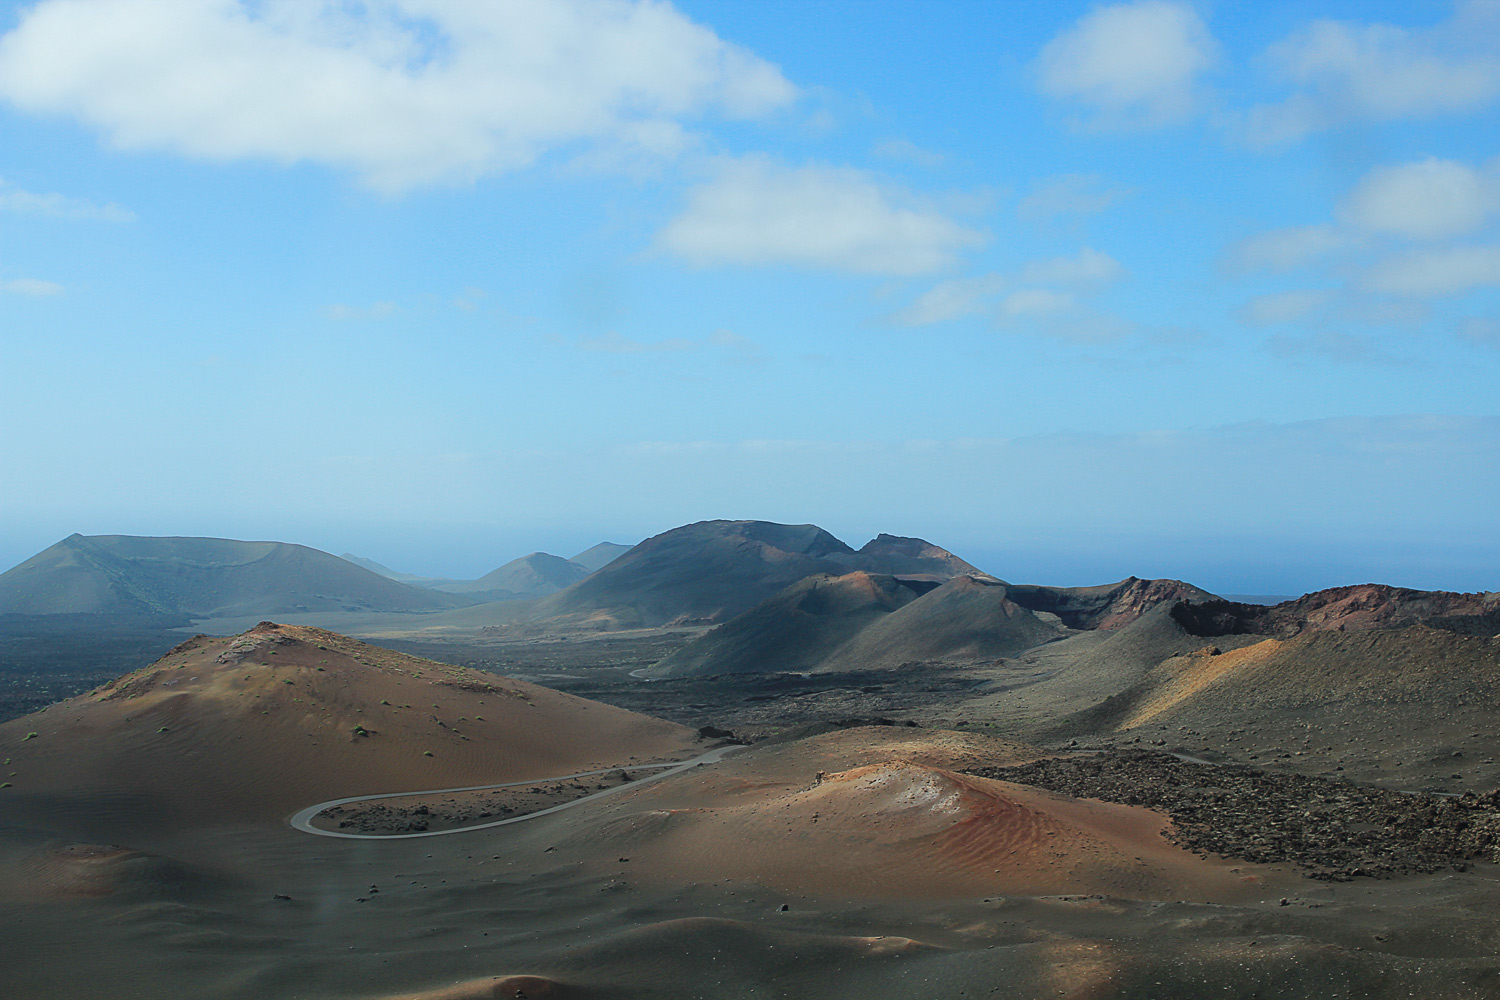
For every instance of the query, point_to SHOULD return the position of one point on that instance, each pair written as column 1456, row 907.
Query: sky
column 1201, row 290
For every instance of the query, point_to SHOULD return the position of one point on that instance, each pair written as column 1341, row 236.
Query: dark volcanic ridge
column 1336, row 830
column 1364, row 606
column 707, row 573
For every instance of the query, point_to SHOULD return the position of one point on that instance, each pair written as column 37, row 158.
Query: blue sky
column 1202, row 290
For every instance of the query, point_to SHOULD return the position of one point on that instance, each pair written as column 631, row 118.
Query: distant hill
column 704, row 572
column 901, row 556
column 1108, row 606
column 965, row 620
column 601, row 555
column 200, row 577
column 861, row 621
column 710, row 571
column 796, row 629
column 415, row 579
column 534, row 575
column 1363, row 606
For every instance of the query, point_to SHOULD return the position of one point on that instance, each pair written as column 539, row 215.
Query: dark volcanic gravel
column 1337, row 829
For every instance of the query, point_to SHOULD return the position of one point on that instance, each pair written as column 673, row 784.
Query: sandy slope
column 1413, row 707
column 254, row 726
column 794, row 630
column 876, row 813
column 963, row 621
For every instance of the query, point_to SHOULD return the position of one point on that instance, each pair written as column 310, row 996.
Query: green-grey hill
column 534, row 575
column 200, row 577
column 710, row 571
column 794, row 630
column 599, row 556
column 966, row 620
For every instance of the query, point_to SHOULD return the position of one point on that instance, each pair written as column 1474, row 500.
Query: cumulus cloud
column 1132, row 65
column 23, row 202
column 1287, row 249
column 1088, row 268
column 1434, row 272
column 1426, row 200
column 950, row 300
column 756, row 211
column 906, row 151
column 1347, row 72
column 1068, row 194
column 1281, row 307
column 959, row 297
column 34, row 287
column 401, row 92
column 1035, row 302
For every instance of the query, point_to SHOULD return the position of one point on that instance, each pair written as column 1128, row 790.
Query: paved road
column 302, row 819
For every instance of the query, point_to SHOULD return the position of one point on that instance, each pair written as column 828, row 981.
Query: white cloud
column 21, row 201
column 401, row 92
column 756, row 211
column 1372, row 311
column 1286, row 249
column 33, row 287
column 1134, row 65
column 1429, row 199
column 380, row 310
column 908, row 152
column 959, row 297
column 1435, row 272
column 1281, row 307
column 949, row 300
column 1088, row 268
column 1068, row 194
column 1426, row 200
column 1351, row 72
column 1035, row 302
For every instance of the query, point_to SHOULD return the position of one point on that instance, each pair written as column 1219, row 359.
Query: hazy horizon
column 1055, row 561
column 1075, row 290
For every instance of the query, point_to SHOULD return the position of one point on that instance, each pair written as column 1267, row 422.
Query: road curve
column 302, row 819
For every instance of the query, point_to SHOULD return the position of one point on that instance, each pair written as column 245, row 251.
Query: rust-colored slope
column 892, row 825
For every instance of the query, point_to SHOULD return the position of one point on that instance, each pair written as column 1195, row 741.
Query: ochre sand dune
column 252, row 727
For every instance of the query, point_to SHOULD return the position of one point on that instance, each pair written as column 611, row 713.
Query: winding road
column 302, row 819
